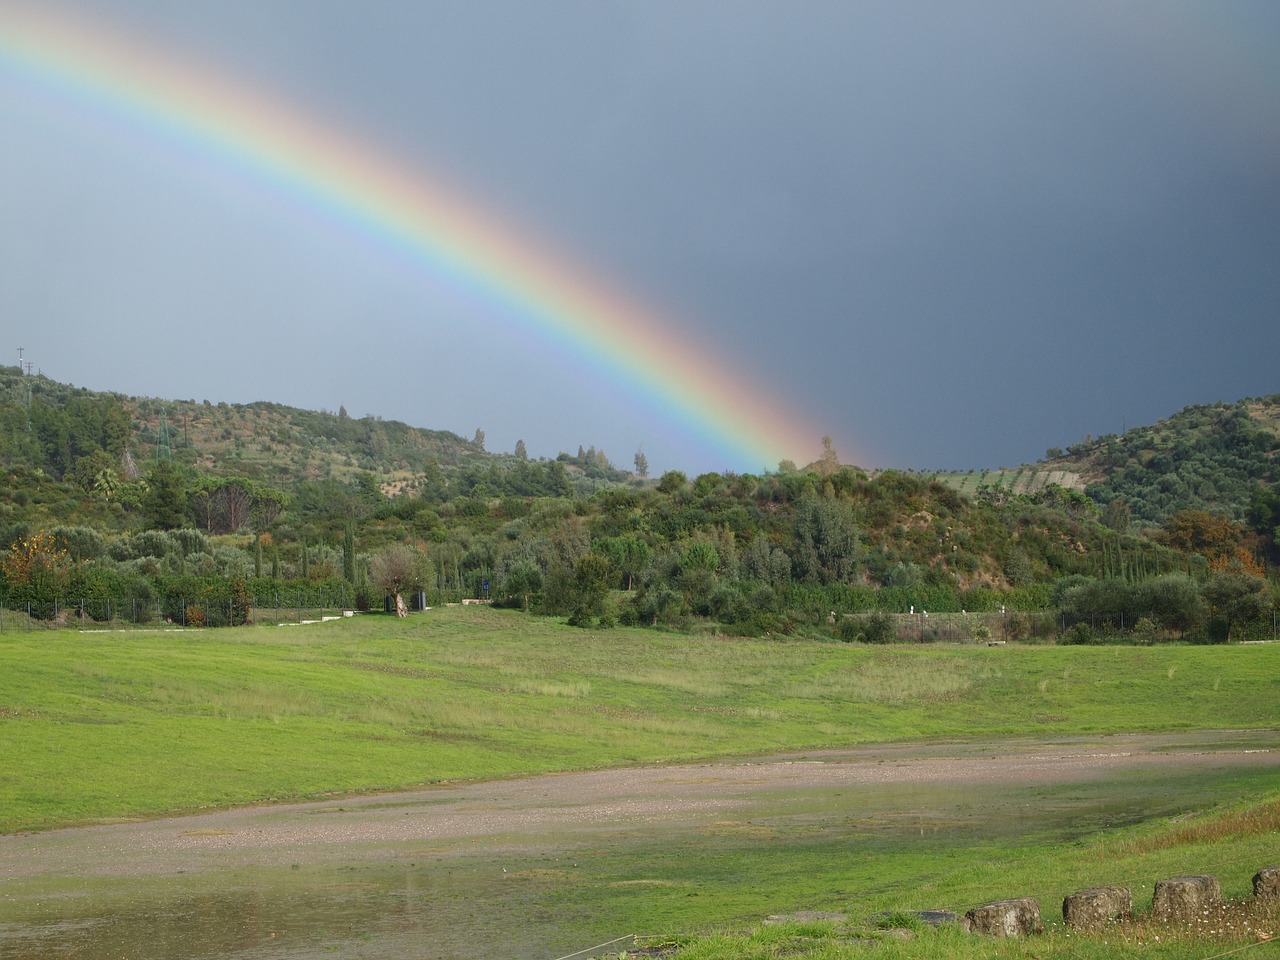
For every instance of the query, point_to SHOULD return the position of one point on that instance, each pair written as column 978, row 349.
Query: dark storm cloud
column 953, row 234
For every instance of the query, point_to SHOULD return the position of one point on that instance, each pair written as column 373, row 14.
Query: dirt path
column 441, row 817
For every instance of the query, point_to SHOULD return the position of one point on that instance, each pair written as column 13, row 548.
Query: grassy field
column 1230, row 844
column 103, row 726
column 99, row 726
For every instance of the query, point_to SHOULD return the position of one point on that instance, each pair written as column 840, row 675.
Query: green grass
column 139, row 723
column 1230, row 844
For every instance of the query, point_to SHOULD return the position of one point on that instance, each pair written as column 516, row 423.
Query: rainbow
column 448, row 240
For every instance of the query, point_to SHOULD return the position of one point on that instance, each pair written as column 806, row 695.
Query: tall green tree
column 165, row 502
column 349, row 551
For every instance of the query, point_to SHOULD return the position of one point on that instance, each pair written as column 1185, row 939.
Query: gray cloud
column 951, row 234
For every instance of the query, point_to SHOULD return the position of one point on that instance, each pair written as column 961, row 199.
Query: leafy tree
column 591, row 577
column 825, row 541
column 673, row 481
column 392, row 571
column 627, row 555
column 1236, row 600
column 1117, row 516
column 642, row 464
column 266, row 506
column 1211, row 535
column 523, row 581
column 521, row 452
column 38, row 567
column 1172, row 600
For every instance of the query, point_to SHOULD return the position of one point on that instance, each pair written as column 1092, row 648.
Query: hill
column 49, row 427
column 1219, row 458
column 1216, row 457
column 166, row 501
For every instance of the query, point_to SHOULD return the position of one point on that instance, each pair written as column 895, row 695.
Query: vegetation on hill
column 1215, row 457
column 182, row 505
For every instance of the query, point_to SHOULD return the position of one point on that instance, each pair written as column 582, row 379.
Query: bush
column 1144, row 631
column 879, row 627
column 1079, row 634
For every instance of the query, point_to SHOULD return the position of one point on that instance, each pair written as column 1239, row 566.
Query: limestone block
column 1094, row 908
column 1266, row 883
column 1182, row 899
column 1006, row 918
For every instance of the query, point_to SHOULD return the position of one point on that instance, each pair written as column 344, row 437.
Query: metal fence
column 1047, row 626
column 112, row 613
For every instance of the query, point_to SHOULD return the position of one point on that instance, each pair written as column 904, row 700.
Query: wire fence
column 121, row 613
column 1046, row 626
column 1049, row 626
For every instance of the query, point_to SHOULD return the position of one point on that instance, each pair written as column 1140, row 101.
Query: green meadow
column 122, row 724
column 129, row 724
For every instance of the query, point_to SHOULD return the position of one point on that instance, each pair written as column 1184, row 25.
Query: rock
column 1266, row 883
column 932, row 918
column 1094, row 908
column 1005, row 918
column 1182, row 899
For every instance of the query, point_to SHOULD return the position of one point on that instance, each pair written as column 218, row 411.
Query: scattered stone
column 1006, row 918
column 1094, row 908
column 1266, row 883
column 1181, row 899
column 932, row 918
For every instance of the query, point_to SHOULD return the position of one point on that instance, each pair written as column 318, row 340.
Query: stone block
column 1183, row 899
column 1266, row 883
column 1005, row 918
column 1096, row 907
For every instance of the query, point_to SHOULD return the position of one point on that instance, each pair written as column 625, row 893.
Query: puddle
column 539, row 868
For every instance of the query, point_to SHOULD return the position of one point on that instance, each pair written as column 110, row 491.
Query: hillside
column 50, row 426
column 111, row 496
column 1218, row 457
column 1209, row 457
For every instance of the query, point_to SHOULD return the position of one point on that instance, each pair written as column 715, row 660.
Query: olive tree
column 392, row 570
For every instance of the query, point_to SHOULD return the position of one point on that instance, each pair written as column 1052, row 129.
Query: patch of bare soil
column 438, row 818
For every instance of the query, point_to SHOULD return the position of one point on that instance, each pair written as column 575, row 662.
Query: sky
column 946, row 235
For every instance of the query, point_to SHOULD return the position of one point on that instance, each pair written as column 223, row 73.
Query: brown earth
column 439, row 818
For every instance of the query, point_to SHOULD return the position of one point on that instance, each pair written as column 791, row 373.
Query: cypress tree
column 349, row 552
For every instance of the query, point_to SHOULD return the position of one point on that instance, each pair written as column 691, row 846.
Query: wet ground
column 541, row 866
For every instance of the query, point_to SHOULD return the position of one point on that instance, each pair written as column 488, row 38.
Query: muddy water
column 540, row 867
